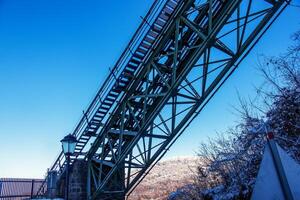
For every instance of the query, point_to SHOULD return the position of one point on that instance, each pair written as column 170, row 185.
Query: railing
column 120, row 64
column 12, row 188
column 110, row 81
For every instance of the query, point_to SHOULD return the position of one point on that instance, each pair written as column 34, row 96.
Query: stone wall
column 78, row 181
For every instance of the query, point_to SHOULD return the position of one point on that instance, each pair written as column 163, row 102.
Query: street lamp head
column 69, row 144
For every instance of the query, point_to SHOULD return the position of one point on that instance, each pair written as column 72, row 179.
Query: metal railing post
column 32, row 185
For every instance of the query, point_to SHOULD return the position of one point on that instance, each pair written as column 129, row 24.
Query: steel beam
column 199, row 50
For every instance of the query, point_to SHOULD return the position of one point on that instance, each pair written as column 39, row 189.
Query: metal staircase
column 137, row 51
column 177, row 60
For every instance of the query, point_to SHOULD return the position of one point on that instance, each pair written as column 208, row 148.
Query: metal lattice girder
column 200, row 49
column 140, row 48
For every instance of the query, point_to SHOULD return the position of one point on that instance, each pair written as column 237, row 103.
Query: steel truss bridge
column 178, row 58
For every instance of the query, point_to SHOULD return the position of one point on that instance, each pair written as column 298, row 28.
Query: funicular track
column 187, row 52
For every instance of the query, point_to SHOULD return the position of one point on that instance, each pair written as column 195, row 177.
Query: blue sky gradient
column 53, row 57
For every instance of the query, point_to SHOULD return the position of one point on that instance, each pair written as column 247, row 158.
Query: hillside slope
column 166, row 177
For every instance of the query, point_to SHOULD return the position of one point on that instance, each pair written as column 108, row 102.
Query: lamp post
column 68, row 146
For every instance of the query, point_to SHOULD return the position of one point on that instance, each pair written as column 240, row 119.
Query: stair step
column 139, row 56
column 168, row 10
column 104, row 108
column 124, row 82
column 149, row 40
column 112, row 95
column 91, row 133
column 160, row 23
column 129, row 76
column 95, row 120
column 131, row 67
column 163, row 16
column 97, row 124
column 142, row 51
column 100, row 112
column 136, row 62
column 82, row 141
column 115, row 90
column 172, row 4
column 157, row 27
column 145, row 46
column 122, row 87
column 111, row 100
column 106, row 103
column 128, row 72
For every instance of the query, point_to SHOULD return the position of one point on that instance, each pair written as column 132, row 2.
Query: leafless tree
column 230, row 162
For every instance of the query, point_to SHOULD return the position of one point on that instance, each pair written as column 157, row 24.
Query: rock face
column 166, row 177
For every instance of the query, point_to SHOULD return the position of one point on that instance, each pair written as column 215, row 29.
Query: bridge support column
column 78, row 180
column 77, row 184
column 52, row 184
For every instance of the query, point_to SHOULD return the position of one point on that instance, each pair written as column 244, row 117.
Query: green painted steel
column 182, row 54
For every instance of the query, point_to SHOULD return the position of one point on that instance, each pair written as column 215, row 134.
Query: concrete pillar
column 52, row 184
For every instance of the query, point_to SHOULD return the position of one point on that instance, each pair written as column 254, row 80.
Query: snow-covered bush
column 230, row 162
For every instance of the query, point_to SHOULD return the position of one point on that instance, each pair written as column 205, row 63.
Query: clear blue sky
column 53, row 57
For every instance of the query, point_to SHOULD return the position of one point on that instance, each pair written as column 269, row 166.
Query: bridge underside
column 202, row 46
column 187, row 52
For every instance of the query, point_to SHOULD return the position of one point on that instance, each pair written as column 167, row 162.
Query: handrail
column 109, row 82
column 117, row 65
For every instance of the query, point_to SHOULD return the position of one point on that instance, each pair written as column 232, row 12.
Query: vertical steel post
column 67, row 178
